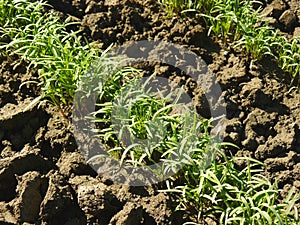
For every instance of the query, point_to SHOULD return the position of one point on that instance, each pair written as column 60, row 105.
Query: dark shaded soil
column 45, row 180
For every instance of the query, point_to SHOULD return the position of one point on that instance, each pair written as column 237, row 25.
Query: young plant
column 231, row 196
column 239, row 24
column 41, row 38
column 144, row 127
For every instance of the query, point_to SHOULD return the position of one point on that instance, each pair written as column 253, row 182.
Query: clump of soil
column 45, row 180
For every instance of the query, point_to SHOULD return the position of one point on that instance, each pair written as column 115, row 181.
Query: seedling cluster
column 41, row 38
column 238, row 23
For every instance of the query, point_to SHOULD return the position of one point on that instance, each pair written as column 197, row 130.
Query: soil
column 44, row 179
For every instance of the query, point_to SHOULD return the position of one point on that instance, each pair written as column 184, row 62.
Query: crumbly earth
column 45, row 180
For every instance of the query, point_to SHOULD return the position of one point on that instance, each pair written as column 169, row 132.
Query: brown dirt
column 45, row 180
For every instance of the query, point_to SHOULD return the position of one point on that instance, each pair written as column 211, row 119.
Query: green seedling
column 41, row 38
column 237, row 23
column 232, row 196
